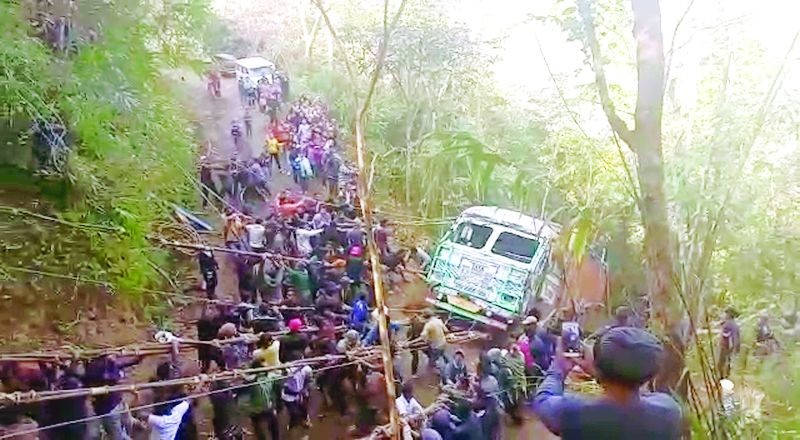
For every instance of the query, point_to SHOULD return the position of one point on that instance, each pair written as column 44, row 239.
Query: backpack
column 295, row 383
column 263, row 395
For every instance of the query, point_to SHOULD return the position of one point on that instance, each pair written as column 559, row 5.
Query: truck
column 494, row 265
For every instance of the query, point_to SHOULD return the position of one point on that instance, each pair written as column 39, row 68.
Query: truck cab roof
column 512, row 219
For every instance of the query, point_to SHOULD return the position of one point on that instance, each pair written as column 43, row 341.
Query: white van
column 251, row 70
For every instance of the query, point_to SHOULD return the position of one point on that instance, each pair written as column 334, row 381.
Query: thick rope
column 147, row 349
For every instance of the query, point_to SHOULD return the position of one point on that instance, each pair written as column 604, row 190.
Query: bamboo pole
column 202, row 247
column 147, row 349
column 357, row 355
column 20, row 397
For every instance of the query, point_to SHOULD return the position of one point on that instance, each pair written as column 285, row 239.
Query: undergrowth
column 133, row 147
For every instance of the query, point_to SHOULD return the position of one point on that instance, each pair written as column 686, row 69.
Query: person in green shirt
column 261, row 403
column 300, row 280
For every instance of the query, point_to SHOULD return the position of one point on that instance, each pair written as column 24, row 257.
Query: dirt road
column 214, row 117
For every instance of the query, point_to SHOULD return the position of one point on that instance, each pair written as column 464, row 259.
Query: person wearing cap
column 623, row 359
column 542, row 343
column 456, row 369
column 294, row 344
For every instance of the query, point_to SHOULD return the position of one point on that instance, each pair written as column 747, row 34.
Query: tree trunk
column 645, row 141
column 648, row 149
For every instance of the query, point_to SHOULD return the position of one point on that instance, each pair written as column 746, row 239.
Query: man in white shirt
column 166, row 426
column 256, row 234
column 407, row 405
column 304, row 240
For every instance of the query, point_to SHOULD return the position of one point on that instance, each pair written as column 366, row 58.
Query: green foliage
column 25, row 69
column 134, row 150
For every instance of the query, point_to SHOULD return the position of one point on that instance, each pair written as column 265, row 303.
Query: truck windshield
column 260, row 72
column 515, row 247
column 472, row 235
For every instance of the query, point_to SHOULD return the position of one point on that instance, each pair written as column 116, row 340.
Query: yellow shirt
column 434, row 333
column 273, row 146
column 269, row 356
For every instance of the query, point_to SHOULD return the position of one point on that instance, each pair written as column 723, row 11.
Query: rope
column 151, row 405
column 18, row 397
column 358, row 355
column 149, row 349
column 199, row 247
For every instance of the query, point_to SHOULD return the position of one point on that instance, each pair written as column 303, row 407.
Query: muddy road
column 214, row 117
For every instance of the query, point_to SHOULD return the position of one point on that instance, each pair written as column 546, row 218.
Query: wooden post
column 377, row 281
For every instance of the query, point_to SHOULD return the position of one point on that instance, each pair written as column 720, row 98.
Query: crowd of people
column 305, row 289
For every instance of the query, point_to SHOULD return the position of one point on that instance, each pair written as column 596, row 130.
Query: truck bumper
column 467, row 314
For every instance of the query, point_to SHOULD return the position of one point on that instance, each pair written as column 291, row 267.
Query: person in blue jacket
column 622, row 360
column 359, row 316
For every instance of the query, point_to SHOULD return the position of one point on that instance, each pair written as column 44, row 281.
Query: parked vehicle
column 494, row 265
column 249, row 71
column 225, row 64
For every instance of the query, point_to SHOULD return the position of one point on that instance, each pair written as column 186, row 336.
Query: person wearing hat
column 295, row 343
column 623, row 359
